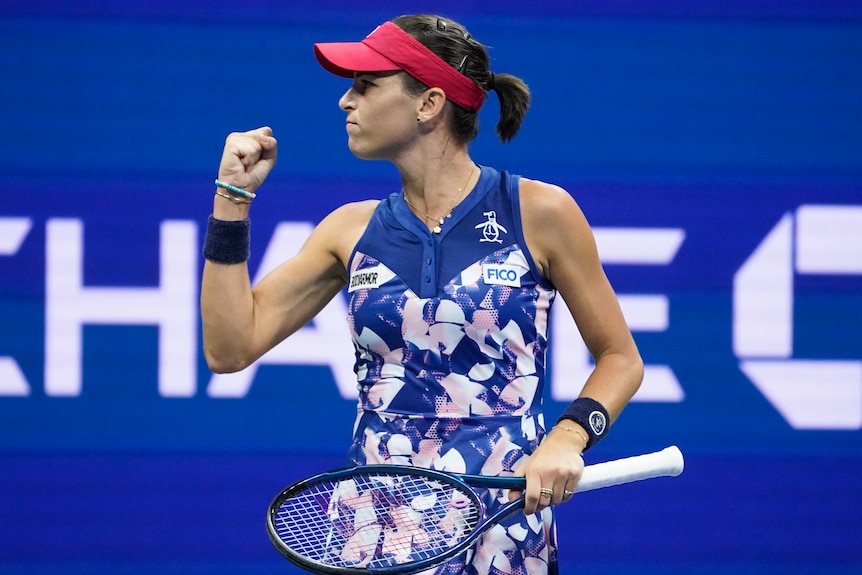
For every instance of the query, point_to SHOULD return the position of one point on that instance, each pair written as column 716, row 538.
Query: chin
column 362, row 153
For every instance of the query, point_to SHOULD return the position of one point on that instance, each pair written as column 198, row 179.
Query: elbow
column 222, row 363
column 635, row 369
column 638, row 370
column 628, row 365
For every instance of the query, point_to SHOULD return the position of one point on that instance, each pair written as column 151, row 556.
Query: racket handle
column 665, row 463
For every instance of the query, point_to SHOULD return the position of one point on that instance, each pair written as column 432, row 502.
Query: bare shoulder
column 361, row 210
column 542, row 195
column 342, row 228
column 553, row 222
column 549, row 205
column 349, row 217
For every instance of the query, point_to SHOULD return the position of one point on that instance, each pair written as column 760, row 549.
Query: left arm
column 563, row 247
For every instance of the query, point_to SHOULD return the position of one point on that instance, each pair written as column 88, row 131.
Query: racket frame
column 463, row 482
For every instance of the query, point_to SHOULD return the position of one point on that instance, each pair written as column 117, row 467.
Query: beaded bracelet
column 235, row 190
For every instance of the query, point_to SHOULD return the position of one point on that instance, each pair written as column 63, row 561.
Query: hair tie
column 492, row 84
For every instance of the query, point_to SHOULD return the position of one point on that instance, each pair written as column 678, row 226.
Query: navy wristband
column 227, row 242
column 591, row 415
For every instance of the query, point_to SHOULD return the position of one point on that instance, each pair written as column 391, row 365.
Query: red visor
column 389, row 48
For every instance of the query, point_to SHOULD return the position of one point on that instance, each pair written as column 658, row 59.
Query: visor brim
column 345, row 58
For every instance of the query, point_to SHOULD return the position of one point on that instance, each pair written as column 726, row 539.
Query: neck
column 428, row 206
column 433, row 185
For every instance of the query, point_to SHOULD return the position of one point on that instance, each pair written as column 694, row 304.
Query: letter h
column 171, row 306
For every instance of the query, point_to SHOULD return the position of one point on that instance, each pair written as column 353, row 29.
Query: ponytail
column 514, row 96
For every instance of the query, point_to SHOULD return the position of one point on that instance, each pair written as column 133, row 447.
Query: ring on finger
column 547, row 492
column 567, row 493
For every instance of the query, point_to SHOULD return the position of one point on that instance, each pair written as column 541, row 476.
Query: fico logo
column 501, row 275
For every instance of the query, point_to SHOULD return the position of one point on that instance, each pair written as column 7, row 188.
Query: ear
column 431, row 104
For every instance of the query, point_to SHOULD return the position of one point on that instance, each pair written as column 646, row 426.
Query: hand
column 556, row 465
column 248, row 158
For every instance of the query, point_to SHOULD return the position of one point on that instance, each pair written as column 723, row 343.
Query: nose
column 345, row 102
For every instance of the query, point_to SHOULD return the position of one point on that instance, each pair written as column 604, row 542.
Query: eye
column 362, row 84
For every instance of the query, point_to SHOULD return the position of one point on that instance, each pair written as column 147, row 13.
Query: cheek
column 391, row 111
column 396, row 110
column 392, row 124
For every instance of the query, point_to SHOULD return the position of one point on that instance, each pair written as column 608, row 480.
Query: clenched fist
column 247, row 158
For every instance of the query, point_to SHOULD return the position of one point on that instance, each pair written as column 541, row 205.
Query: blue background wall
column 716, row 118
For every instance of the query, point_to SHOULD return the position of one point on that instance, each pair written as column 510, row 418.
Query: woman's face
column 381, row 115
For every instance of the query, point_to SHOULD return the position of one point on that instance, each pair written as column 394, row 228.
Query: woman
column 450, row 284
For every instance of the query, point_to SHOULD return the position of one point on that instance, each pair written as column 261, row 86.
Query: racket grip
column 665, row 463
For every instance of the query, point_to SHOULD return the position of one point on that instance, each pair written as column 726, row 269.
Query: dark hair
column 459, row 49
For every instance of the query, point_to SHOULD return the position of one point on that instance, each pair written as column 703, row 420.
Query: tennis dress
column 450, row 332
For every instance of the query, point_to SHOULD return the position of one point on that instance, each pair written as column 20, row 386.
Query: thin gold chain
column 442, row 219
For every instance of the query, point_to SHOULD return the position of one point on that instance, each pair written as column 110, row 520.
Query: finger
column 555, row 495
column 269, row 146
column 266, row 140
column 515, row 494
column 265, row 163
column 569, row 489
column 548, row 496
column 240, row 146
column 248, row 151
column 260, row 148
column 565, row 489
column 533, row 497
column 263, row 130
column 251, row 156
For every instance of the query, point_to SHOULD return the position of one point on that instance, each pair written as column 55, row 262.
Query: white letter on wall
column 572, row 363
column 69, row 305
column 12, row 234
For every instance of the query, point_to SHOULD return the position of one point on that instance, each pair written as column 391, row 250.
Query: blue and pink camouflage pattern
column 451, row 371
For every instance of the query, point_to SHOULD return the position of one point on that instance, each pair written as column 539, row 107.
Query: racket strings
column 376, row 520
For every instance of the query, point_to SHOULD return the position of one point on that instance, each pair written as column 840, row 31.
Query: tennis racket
column 401, row 519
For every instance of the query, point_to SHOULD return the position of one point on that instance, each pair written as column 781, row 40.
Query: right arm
column 241, row 322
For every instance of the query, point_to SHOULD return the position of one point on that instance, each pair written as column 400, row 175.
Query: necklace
column 442, row 219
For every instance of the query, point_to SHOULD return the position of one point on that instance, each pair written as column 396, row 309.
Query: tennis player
column 450, row 283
